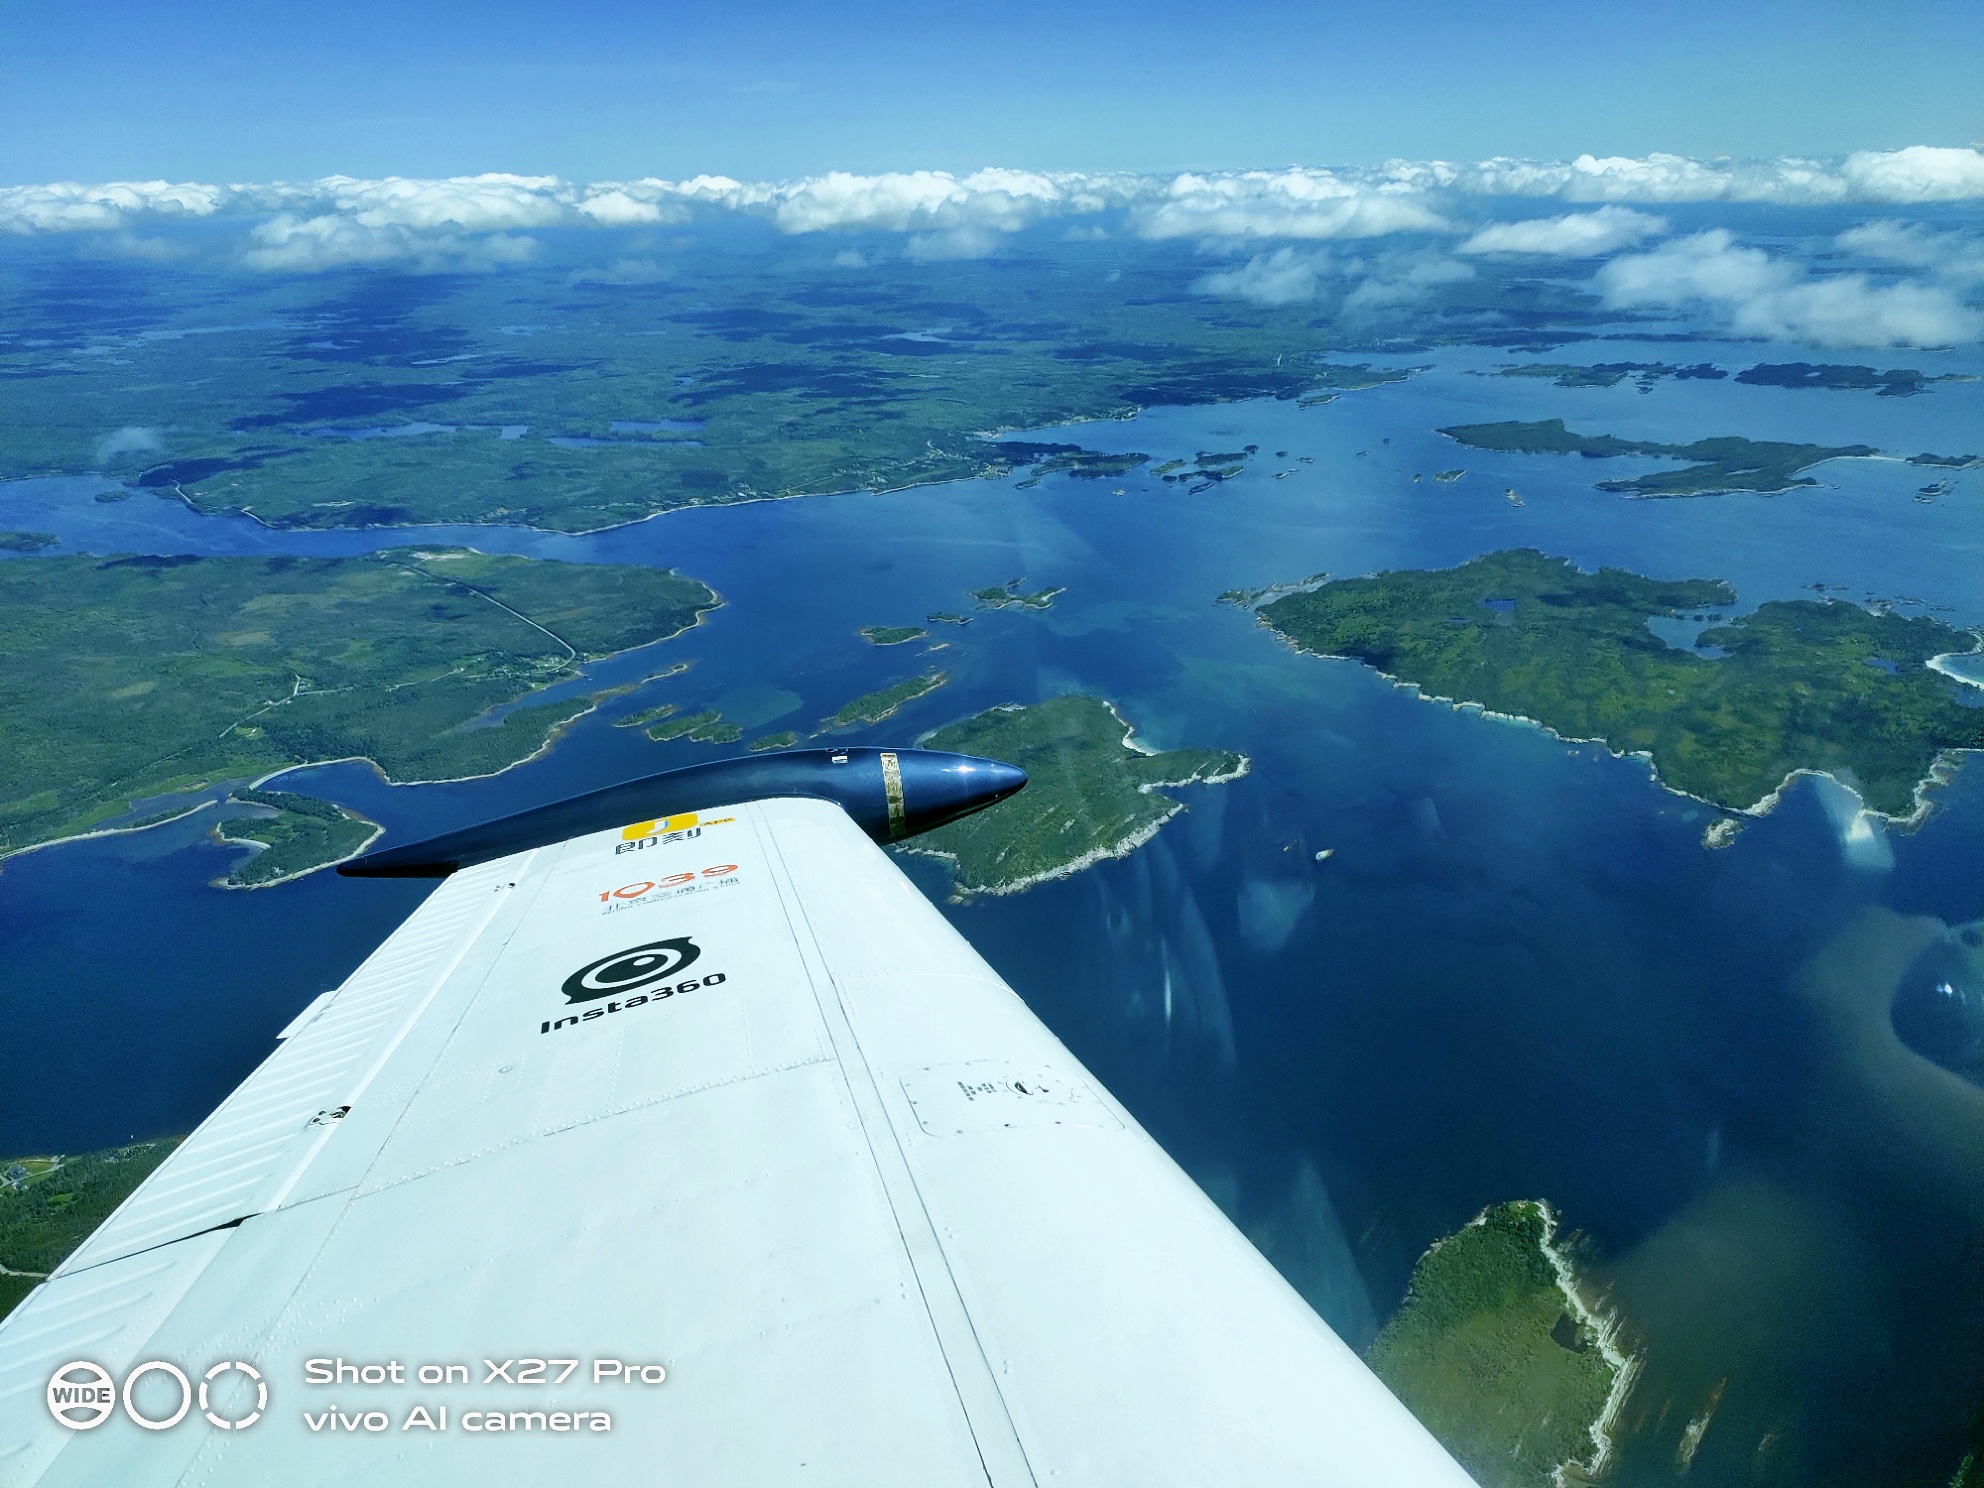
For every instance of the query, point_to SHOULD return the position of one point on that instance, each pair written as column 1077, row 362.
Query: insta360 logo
column 82, row 1395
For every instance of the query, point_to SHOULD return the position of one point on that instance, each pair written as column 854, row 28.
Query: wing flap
column 243, row 1157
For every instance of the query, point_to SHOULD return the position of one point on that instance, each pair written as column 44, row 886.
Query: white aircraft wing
column 701, row 1156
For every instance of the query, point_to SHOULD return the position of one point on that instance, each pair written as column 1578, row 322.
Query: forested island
column 1092, row 793
column 1796, row 685
column 1498, row 1355
column 1722, row 464
column 301, row 835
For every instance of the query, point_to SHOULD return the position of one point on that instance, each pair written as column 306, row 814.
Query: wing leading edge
column 730, row 1104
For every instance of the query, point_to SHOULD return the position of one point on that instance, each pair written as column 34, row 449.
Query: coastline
column 1941, row 770
column 1605, row 1329
column 593, row 703
column 220, row 836
column 1121, row 848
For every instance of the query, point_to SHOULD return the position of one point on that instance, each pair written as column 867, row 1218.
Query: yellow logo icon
column 649, row 828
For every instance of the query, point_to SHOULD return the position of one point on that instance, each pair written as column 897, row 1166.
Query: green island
column 1000, row 596
column 1208, row 467
column 1947, row 462
column 1448, row 477
column 707, row 727
column 1896, row 382
column 774, row 741
column 1091, row 793
column 892, row 635
column 1800, row 684
column 1500, row 1359
column 945, row 617
column 124, row 679
column 50, row 1205
column 873, row 707
column 303, row 835
column 27, row 542
column 1723, row 464
column 1070, row 459
column 1611, row 374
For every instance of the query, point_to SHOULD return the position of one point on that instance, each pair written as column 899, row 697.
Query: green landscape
column 1722, row 464
column 533, row 400
column 1800, row 684
column 1009, row 595
column 892, row 635
column 873, row 707
column 304, row 834
column 49, row 1206
column 1896, row 382
column 1090, row 793
column 127, row 678
column 1489, row 1356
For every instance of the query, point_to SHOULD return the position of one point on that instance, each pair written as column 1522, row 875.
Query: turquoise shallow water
column 1518, row 973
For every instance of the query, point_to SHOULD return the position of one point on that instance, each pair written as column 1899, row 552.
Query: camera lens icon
column 261, row 1397
column 81, row 1395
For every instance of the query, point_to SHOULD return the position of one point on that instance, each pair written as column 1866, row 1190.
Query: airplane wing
column 700, row 1151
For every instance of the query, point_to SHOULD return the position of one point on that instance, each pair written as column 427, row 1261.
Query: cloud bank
column 1297, row 202
column 1579, row 235
column 479, row 223
column 1758, row 295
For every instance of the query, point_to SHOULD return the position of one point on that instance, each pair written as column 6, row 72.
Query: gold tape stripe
column 892, row 784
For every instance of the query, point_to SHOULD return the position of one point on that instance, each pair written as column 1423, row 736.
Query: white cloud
column 358, row 220
column 1283, row 277
column 1762, row 296
column 310, row 245
column 66, row 206
column 850, row 258
column 132, row 439
column 1657, row 178
column 1920, row 173
column 1579, row 235
column 616, row 208
column 1703, row 266
column 933, row 201
column 1849, row 311
column 1950, row 255
column 1295, row 203
column 1289, row 276
column 967, row 241
column 1405, row 280
column 485, row 203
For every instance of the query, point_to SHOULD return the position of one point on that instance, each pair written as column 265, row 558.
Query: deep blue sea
column 1517, row 973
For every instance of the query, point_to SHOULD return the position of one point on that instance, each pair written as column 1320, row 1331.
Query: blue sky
column 216, row 89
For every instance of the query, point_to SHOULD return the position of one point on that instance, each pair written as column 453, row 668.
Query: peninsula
column 301, row 835
column 1721, row 465
column 1497, row 1352
column 1797, row 685
column 1092, row 793
column 124, row 679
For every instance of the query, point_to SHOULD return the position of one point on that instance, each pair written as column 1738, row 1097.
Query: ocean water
column 1518, row 973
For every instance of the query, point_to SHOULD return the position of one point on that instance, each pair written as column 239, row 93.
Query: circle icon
column 185, row 1395
column 261, row 1396
column 628, row 970
column 81, row 1395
